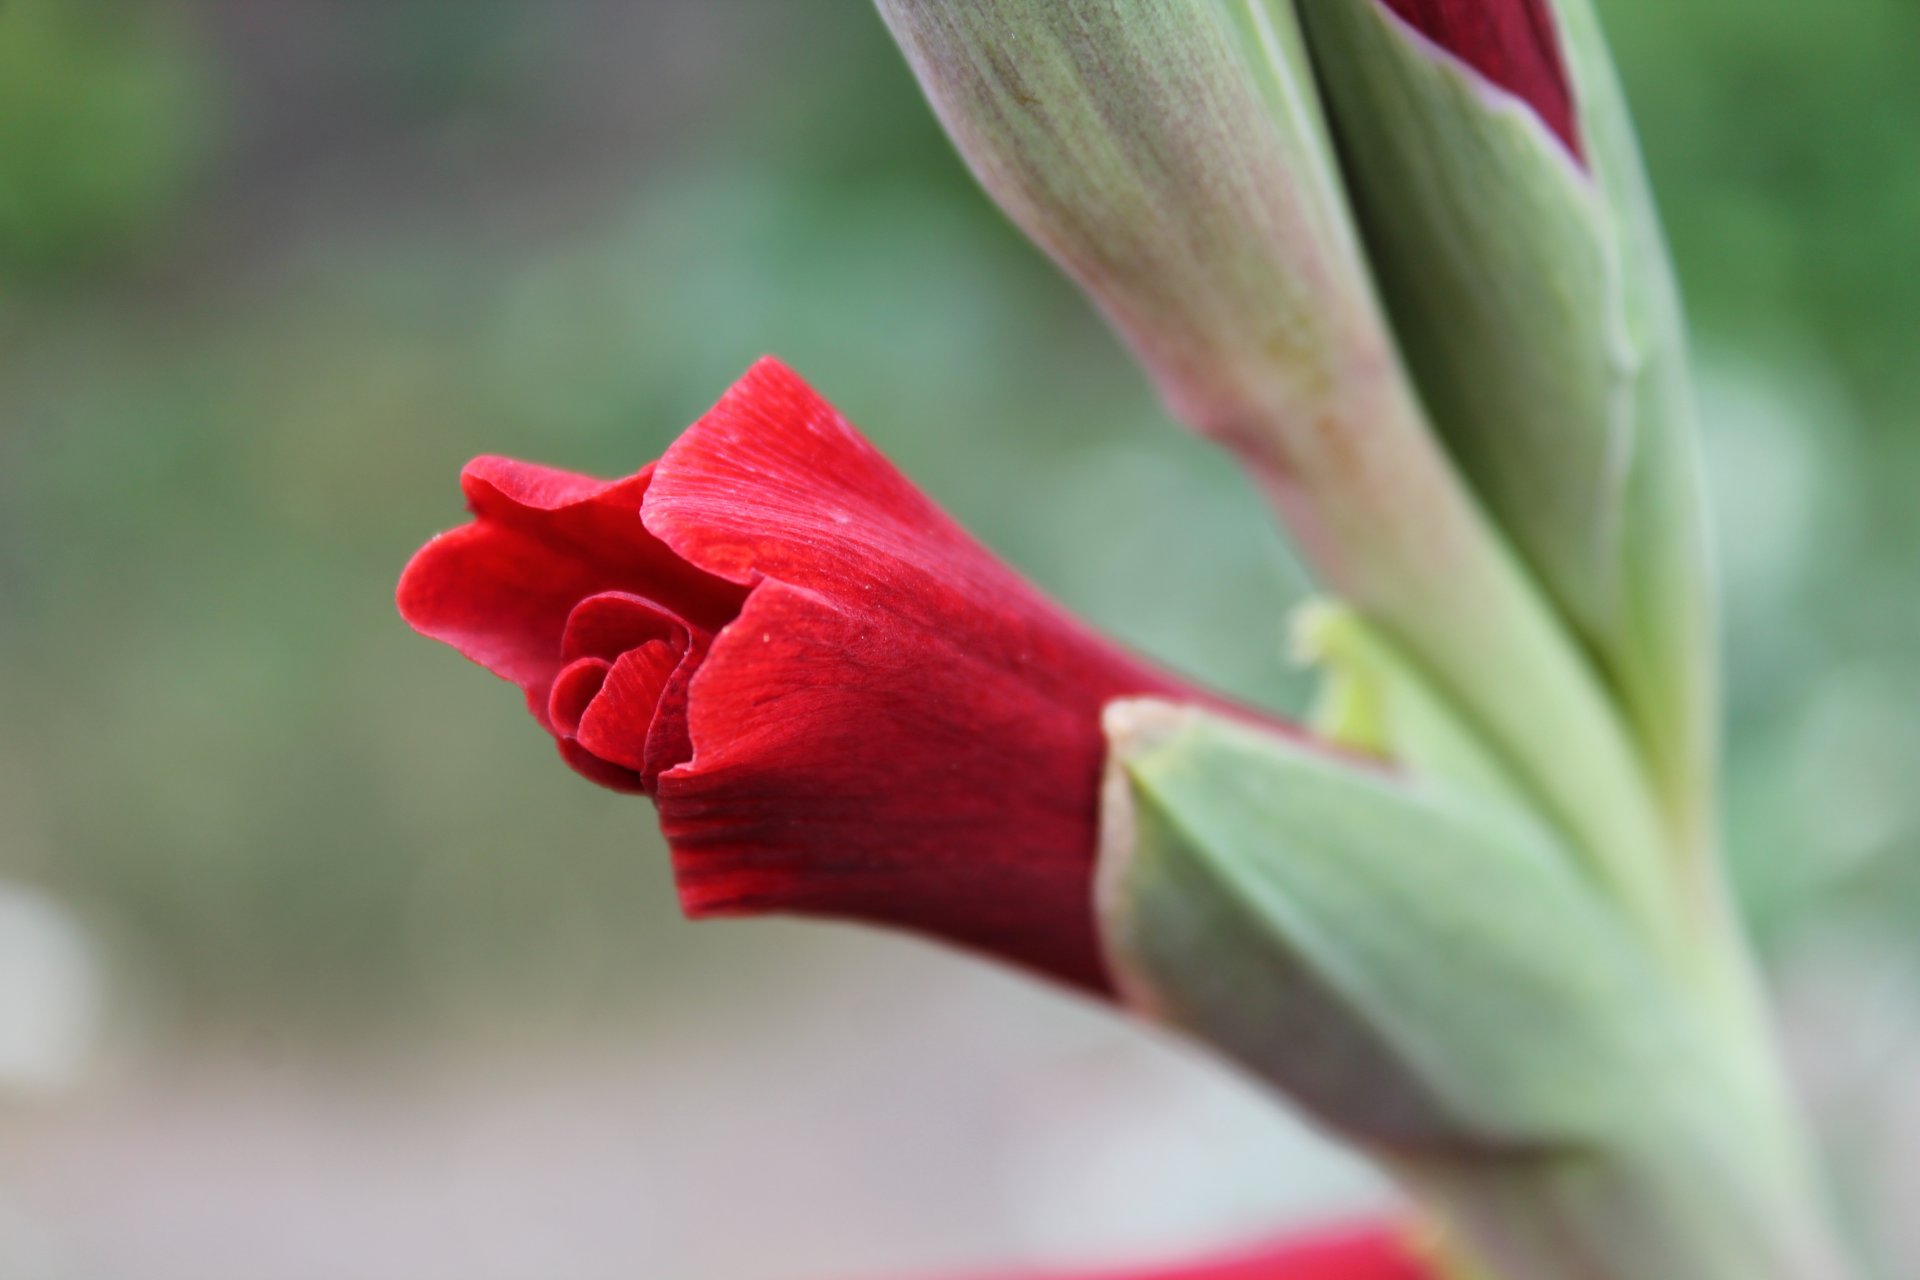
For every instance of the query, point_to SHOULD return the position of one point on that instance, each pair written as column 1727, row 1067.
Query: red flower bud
column 839, row 701
column 1513, row 43
column 1368, row 1253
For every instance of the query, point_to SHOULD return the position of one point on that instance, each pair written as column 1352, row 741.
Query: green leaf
column 1425, row 969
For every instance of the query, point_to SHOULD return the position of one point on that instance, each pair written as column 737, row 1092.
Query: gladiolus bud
column 840, row 703
column 1474, row 926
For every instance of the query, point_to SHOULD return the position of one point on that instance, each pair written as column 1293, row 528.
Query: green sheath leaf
column 1424, row 968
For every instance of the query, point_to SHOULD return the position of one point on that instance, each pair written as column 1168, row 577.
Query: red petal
column 774, row 483
column 613, row 624
column 670, row 741
column 498, row 596
column 942, row 778
column 574, row 689
column 897, row 727
column 500, row 590
column 1371, row 1253
column 1513, row 43
column 596, row 523
column 609, row 624
column 616, row 726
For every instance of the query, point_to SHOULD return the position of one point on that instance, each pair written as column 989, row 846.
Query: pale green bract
column 1424, row 967
column 1267, row 895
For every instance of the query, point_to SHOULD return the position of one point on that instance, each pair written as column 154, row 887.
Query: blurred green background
column 278, row 879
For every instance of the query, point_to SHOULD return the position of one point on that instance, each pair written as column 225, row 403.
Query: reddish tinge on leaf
column 840, row 703
column 1364, row 1253
column 1513, row 43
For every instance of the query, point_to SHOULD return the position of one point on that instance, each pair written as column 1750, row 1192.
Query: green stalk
column 1672, row 1207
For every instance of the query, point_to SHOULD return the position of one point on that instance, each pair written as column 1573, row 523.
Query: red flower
column 840, row 703
column 1513, row 43
column 1367, row 1253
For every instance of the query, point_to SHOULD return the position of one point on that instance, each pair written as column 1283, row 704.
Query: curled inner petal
column 607, row 715
column 619, row 721
column 621, row 699
column 574, row 689
column 610, row 623
column 569, row 703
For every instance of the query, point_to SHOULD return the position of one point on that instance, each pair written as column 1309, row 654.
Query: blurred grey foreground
column 313, row 960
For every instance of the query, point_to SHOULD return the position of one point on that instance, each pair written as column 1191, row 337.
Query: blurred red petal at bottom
column 1355, row 1253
